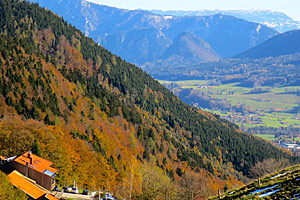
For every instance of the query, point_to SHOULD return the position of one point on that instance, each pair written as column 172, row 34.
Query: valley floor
column 247, row 107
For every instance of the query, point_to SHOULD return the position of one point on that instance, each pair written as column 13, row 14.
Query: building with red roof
column 35, row 168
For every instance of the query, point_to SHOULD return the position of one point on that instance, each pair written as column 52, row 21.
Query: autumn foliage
column 103, row 122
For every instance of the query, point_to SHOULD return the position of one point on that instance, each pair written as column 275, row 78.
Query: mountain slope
column 191, row 49
column 121, row 30
column 138, row 45
column 88, row 110
column 276, row 20
column 283, row 44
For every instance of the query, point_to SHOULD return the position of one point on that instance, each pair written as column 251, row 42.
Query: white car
column 67, row 189
column 75, row 190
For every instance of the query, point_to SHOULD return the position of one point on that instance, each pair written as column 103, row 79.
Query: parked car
column 67, row 189
column 75, row 190
column 85, row 192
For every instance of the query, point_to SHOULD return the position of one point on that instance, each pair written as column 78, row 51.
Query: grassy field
column 267, row 137
column 272, row 108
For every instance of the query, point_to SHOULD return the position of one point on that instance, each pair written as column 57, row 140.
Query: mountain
column 283, row 184
column 142, row 37
column 225, row 34
column 191, row 49
column 104, row 122
column 283, row 44
column 276, row 20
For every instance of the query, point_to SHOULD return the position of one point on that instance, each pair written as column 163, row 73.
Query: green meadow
column 272, row 108
column 267, row 137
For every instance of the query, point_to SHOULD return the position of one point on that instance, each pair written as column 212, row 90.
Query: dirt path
column 73, row 196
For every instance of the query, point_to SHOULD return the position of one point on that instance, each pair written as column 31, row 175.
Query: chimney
column 30, row 157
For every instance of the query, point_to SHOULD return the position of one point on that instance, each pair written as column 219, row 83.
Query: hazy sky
column 289, row 7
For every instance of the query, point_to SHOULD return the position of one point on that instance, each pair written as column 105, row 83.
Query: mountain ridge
column 277, row 20
column 108, row 26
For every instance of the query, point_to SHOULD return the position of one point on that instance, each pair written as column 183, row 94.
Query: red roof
column 29, row 186
column 36, row 162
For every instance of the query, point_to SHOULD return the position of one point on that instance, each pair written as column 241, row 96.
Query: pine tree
column 36, row 148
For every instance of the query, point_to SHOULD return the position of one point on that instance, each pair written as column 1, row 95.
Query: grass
column 267, row 137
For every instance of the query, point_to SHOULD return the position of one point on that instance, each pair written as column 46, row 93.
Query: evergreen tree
column 35, row 148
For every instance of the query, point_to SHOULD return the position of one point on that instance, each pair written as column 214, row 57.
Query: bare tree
column 266, row 167
column 193, row 186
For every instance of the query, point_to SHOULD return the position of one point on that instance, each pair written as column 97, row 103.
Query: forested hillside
column 103, row 121
column 186, row 49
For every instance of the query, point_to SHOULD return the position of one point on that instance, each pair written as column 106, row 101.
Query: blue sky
column 289, row 7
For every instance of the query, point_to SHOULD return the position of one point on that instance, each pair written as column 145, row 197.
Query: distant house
column 288, row 146
column 29, row 186
column 35, row 168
